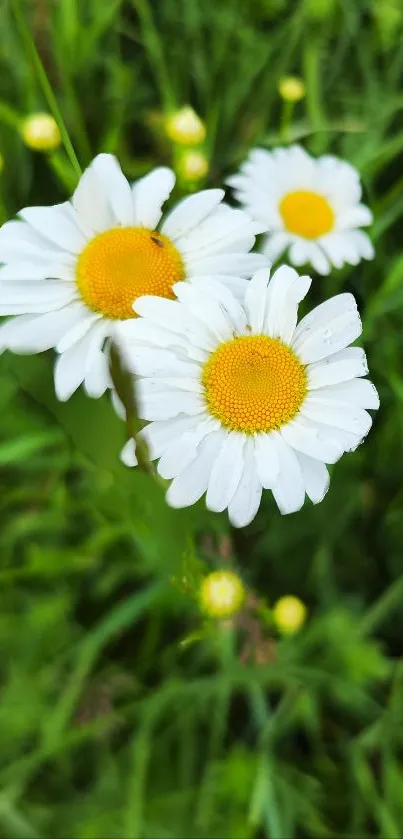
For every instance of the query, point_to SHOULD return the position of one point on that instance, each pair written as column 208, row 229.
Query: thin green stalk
column 153, row 46
column 285, row 121
column 60, row 166
column 3, row 211
column 389, row 601
column 312, row 76
column 8, row 116
column 45, row 85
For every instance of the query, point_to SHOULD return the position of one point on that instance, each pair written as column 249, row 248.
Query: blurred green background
column 123, row 712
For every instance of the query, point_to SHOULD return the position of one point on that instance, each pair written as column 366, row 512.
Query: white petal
column 118, row 405
column 240, row 264
column 69, row 371
column 225, row 230
column 136, row 333
column 192, row 483
column 338, row 181
column 236, row 285
column 226, row 473
column 192, row 384
column 346, row 439
column 205, row 309
column 304, row 437
column 36, row 333
column 160, row 435
column 289, row 490
column 164, row 404
column 214, row 288
column 362, row 244
column 317, row 258
column 245, row 503
column 149, row 194
column 286, row 290
column 267, row 461
column 84, row 321
column 128, row 453
column 40, row 269
column 190, row 212
column 337, row 414
column 358, row 392
column 339, row 249
column 19, row 241
column 81, row 362
column 327, row 329
column 34, row 296
column 177, row 317
column 97, row 377
column 256, row 299
column 12, row 327
column 340, row 367
column 147, row 361
column 91, row 204
column 315, row 477
column 54, row 223
column 115, row 188
column 358, row 216
column 184, row 449
column 275, row 244
column 299, row 252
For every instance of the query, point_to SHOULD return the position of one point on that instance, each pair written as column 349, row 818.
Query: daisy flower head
column 310, row 206
column 71, row 272
column 240, row 398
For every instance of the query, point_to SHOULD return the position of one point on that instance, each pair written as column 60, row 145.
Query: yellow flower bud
column 222, row 594
column 291, row 89
column 185, row 128
column 41, row 132
column 193, row 165
column 289, row 614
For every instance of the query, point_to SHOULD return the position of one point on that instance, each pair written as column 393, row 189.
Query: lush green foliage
column 122, row 712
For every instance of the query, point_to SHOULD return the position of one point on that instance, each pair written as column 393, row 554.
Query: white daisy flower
column 72, row 271
column 310, row 206
column 240, row 398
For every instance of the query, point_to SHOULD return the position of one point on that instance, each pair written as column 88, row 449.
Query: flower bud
column 291, row 89
column 40, row 132
column 193, row 166
column 185, row 128
column 222, row 594
column 289, row 614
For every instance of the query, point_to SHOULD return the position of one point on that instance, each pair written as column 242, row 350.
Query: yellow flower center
column 254, row 383
column 307, row 214
column 124, row 263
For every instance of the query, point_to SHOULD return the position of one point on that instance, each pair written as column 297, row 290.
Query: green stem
column 285, row 121
column 3, row 209
column 153, row 46
column 9, row 117
column 45, row 85
column 60, row 166
column 312, row 75
column 390, row 600
column 124, row 388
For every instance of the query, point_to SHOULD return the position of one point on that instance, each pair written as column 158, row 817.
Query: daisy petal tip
column 127, row 455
